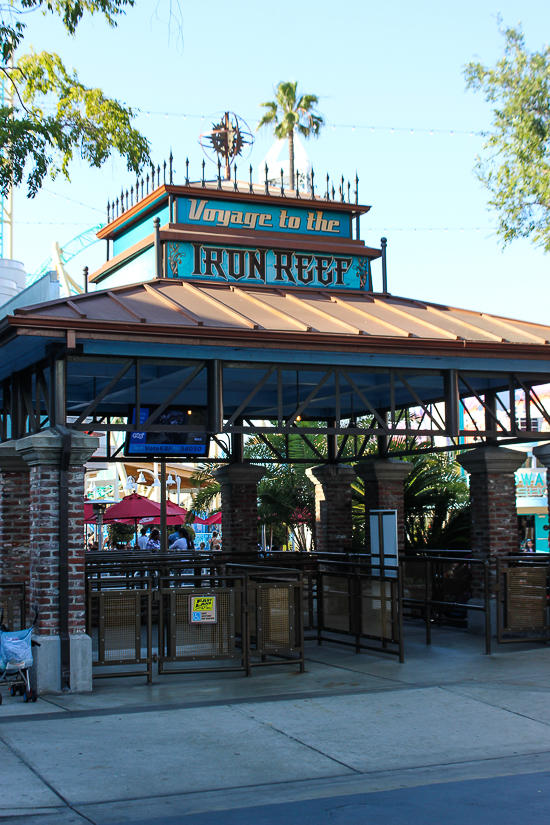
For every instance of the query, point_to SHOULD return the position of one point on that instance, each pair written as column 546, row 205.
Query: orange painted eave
column 21, row 325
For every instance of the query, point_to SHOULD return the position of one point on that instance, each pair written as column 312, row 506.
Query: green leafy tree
column 291, row 112
column 516, row 165
column 35, row 141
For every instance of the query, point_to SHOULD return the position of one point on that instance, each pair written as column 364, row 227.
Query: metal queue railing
column 256, row 621
column 444, row 582
column 522, row 589
column 343, row 598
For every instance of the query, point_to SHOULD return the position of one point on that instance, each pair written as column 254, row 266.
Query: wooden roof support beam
column 259, row 303
column 121, row 304
column 75, row 309
column 326, row 315
column 466, row 324
column 173, row 304
column 414, row 319
column 371, row 317
column 194, row 290
column 507, row 325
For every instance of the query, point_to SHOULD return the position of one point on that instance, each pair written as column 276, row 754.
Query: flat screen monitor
column 194, row 443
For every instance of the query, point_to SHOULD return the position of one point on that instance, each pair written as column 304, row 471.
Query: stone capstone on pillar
column 45, row 447
column 333, row 524
column 239, row 498
column 42, row 453
column 542, row 454
column 383, row 484
column 493, row 460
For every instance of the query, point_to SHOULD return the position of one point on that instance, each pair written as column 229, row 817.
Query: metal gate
column 256, row 619
column 352, row 601
column 122, row 619
column 182, row 641
column 522, row 599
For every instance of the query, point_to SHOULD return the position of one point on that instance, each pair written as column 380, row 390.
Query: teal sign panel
column 273, row 267
column 312, row 220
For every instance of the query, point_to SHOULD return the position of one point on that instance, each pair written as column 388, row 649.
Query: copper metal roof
column 208, row 306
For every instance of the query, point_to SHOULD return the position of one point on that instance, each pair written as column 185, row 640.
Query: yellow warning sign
column 202, row 609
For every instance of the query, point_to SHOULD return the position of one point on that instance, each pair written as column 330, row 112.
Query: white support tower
column 6, row 211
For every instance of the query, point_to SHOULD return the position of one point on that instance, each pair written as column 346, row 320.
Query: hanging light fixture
column 141, row 479
column 170, row 481
column 130, row 484
column 156, row 482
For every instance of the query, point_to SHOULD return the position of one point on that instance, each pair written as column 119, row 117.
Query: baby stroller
column 16, row 659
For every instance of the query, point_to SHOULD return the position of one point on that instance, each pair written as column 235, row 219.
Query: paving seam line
column 125, row 710
column 39, row 776
column 359, row 672
column 496, row 707
column 318, row 780
column 293, row 738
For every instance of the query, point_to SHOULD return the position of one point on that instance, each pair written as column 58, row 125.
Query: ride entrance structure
column 227, row 309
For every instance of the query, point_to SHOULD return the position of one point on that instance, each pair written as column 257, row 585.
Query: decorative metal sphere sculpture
column 226, row 141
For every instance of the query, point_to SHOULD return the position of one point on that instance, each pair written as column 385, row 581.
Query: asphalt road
column 500, row 801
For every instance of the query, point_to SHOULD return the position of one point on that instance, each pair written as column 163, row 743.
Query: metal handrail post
column 245, row 620
column 320, row 606
column 149, row 632
column 299, row 623
column 400, row 615
column 487, row 610
column 428, row 606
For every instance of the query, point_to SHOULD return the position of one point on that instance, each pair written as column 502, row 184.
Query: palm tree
column 436, row 504
column 289, row 112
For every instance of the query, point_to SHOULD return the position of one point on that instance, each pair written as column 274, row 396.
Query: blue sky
column 392, row 65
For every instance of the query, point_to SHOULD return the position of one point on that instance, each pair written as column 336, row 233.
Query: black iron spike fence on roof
column 269, row 186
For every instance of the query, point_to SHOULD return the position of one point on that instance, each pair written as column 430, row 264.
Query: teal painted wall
column 138, row 269
column 541, row 535
column 139, row 231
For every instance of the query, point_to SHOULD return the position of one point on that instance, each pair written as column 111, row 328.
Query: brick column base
column 333, row 526
column 383, row 480
column 42, row 453
column 493, row 506
column 239, row 495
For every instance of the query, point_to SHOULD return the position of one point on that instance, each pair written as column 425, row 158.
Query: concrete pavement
column 358, row 738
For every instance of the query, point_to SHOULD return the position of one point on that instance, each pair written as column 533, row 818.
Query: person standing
column 173, row 537
column 183, row 542
column 215, row 543
column 142, row 540
column 154, row 541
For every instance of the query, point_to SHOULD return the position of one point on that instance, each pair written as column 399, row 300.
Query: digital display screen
column 194, row 443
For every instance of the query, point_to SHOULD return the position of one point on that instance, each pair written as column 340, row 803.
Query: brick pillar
column 14, row 515
column 333, row 525
column 14, row 521
column 492, row 505
column 383, row 480
column 239, row 496
column 42, row 453
column 542, row 454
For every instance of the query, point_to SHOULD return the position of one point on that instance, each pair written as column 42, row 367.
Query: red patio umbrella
column 135, row 508
column 132, row 507
column 215, row 519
